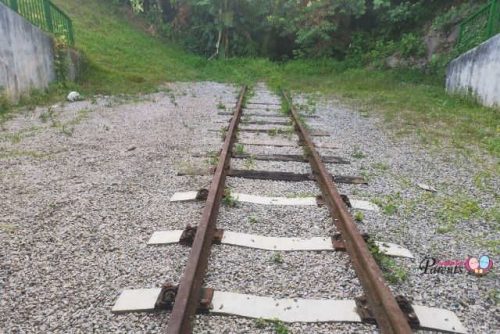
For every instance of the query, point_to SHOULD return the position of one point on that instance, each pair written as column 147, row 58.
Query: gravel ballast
column 84, row 185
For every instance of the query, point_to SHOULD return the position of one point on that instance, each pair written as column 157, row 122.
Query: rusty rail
column 381, row 301
column 190, row 287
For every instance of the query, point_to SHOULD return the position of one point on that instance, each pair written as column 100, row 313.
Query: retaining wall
column 26, row 55
column 477, row 73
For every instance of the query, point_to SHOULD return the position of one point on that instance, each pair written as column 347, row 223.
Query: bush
column 450, row 18
column 4, row 103
column 377, row 56
column 411, row 45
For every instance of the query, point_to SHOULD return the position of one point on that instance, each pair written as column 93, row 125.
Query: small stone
column 74, row 96
column 426, row 187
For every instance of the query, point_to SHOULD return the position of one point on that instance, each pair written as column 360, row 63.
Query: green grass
column 228, row 199
column 359, row 216
column 457, row 208
column 277, row 258
column 389, row 203
column 392, row 272
column 253, row 219
column 7, row 154
column 239, row 149
column 278, row 326
column 357, row 154
column 249, row 162
column 36, row 97
column 213, row 158
column 408, row 99
column 123, row 58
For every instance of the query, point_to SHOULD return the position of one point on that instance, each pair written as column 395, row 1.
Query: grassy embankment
column 123, row 58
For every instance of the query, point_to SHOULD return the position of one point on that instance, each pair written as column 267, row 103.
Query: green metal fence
column 480, row 26
column 45, row 15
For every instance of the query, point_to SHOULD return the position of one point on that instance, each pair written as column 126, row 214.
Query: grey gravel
column 77, row 206
column 394, row 165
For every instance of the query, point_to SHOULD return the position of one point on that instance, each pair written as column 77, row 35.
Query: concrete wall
column 26, row 55
column 477, row 73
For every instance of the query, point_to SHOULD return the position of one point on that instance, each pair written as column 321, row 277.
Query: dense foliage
column 364, row 30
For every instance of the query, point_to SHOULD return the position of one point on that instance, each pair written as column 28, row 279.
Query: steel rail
column 190, row 286
column 388, row 315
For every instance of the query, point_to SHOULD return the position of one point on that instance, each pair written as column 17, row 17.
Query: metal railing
column 45, row 15
column 480, row 26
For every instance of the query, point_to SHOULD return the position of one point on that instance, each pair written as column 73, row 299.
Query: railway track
column 378, row 305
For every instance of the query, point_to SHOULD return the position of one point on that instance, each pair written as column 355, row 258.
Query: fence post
column 48, row 16
column 492, row 18
column 14, row 5
column 70, row 33
column 460, row 35
column 496, row 17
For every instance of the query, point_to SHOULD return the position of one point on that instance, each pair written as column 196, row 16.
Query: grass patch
column 390, row 203
column 393, row 273
column 47, row 115
column 454, row 209
column 7, row 154
column 221, row 106
column 459, row 207
column 223, row 132
column 278, row 326
column 228, row 199
column 249, row 162
column 493, row 246
column 357, row 153
column 253, row 219
column 277, row 258
column 213, row 158
column 239, row 149
column 36, row 97
column 17, row 137
column 359, row 216
column 380, row 166
column 309, row 106
column 484, row 180
column 5, row 105
column 272, row 132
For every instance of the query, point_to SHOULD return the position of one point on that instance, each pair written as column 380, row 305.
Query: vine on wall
column 61, row 61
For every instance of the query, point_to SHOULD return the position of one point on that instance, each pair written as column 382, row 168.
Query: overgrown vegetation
column 249, row 162
column 357, row 153
column 61, row 65
column 213, row 158
column 389, row 203
column 359, row 216
column 239, row 148
column 360, row 30
column 228, row 199
column 392, row 272
column 5, row 105
column 278, row 326
column 458, row 208
column 126, row 54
